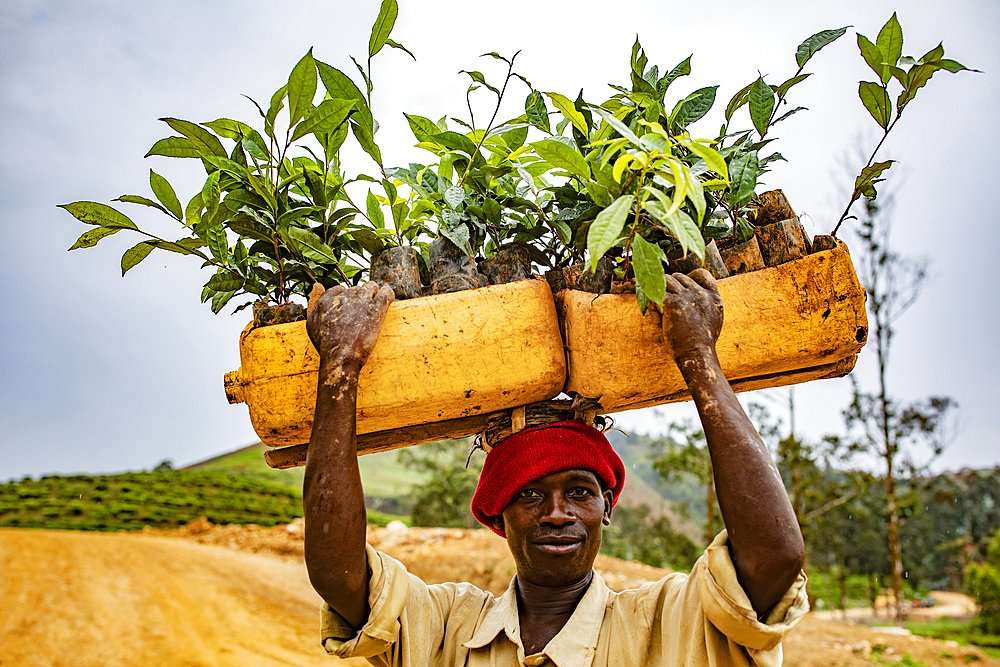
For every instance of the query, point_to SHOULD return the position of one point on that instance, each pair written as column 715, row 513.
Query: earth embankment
column 227, row 596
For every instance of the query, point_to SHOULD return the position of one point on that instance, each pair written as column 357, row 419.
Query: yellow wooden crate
column 439, row 358
column 795, row 322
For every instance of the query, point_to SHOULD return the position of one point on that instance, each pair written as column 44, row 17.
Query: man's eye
column 581, row 491
column 528, row 493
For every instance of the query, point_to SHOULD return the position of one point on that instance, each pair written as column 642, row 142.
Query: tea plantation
column 129, row 501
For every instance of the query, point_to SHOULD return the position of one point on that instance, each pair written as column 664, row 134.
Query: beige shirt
column 693, row 620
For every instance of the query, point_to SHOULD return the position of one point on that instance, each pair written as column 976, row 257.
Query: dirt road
column 110, row 600
column 124, row 599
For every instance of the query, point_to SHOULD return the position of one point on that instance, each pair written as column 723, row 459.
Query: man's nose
column 557, row 511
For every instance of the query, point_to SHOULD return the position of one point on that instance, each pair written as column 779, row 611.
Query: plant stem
column 854, row 193
column 496, row 110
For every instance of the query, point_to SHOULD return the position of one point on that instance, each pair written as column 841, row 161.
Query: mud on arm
column 344, row 325
column 765, row 541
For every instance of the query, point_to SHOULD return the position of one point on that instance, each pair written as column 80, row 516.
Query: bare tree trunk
column 895, row 554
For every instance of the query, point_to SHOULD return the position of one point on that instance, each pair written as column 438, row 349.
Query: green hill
column 129, row 501
column 387, row 482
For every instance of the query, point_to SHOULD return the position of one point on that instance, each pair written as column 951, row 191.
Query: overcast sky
column 102, row 374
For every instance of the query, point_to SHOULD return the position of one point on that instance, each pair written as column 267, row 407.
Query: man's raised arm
column 344, row 325
column 764, row 537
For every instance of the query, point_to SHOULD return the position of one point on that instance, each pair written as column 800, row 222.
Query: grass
column 963, row 632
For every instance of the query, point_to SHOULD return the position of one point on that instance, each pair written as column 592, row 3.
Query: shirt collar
column 574, row 645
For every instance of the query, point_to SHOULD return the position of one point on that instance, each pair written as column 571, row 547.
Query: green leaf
column 234, row 129
column 682, row 69
column 94, row 213
column 257, row 151
column 367, row 141
column 137, row 199
column 397, row 45
column 641, row 299
column 606, row 229
column 165, row 193
column 311, row 246
column 783, row 89
column 694, row 106
column 451, row 228
column 218, row 245
column 480, row 79
column 934, row 54
column 174, row 147
column 683, row 228
column 738, row 100
column 220, row 299
column 865, row 182
column 647, row 260
column 90, row 237
column 812, row 45
column 954, row 66
column 456, row 142
column 383, row 26
column 134, row 255
column 192, row 212
column 919, row 75
column 876, row 100
column 210, row 193
column 743, row 171
column 890, row 44
column 368, row 240
column 206, row 142
column 872, row 56
column 231, row 167
column 423, row 128
column 327, row 117
column 620, row 127
column 340, row 87
column 174, row 247
column 454, row 196
column 375, row 210
column 301, row 88
column 786, row 115
column 712, row 157
column 537, row 112
column 761, row 105
column 563, row 156
column 225, row 281
column 569, row 110
column 277, row 103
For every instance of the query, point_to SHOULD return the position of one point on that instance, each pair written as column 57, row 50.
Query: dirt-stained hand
column 344, row 323
column 692, row 313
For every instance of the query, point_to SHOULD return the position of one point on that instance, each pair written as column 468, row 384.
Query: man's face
column 553, row 526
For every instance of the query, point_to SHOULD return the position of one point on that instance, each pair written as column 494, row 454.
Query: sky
column 100, row 373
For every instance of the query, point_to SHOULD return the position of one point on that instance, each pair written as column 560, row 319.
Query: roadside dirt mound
column 74, row 599
column 224, row 596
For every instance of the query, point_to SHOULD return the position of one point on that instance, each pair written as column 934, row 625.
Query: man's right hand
column 692, row 314
column 344, row 324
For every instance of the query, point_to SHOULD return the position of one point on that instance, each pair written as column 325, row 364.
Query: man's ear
column 609, row 499
column 497, row 522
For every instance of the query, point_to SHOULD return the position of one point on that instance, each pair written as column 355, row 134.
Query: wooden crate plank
column 439, row 358
column 799, row 315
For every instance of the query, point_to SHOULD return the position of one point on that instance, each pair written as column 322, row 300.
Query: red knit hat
column 536, row 452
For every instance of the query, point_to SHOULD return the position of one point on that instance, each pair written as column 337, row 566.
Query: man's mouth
column 558, row 545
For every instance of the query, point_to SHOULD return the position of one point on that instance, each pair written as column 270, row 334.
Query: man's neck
column 538, row 601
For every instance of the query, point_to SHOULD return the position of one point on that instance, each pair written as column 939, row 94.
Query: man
column 741, row 598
